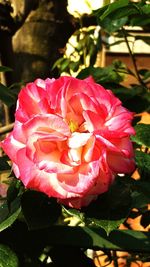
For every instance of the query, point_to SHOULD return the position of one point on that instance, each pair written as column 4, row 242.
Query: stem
column 133, row 59
column 6, row 128
column 115, row 259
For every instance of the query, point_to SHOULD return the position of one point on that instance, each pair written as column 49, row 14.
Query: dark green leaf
column 76, row 213
column 137, row 103
column 111, row 25
column 145, row 219
column 4, row 164
column 65, row 64
column 75, row 253
column 8, row 257
column 102, row 75
column 74, row 65
column 142, row 21
column 113, row 7
column 58, row 63
column 95, row 237
column 143, row 164
column 9, row 214
column 111, row 208
column 6, row 96
column 145, row 73
column 13, row 191
column 142, row 136
column 39, row 210
column 146, row 9
column 4, row 69
column 141, row 194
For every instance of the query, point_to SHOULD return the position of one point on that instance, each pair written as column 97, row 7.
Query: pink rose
column 70, row 138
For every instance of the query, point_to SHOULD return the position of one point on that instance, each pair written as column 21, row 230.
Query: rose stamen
column 73, row 125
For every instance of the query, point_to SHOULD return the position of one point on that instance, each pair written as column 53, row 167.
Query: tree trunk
column 38, row 42
column 44, row 28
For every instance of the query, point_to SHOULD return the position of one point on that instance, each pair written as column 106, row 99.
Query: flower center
column 73, row 125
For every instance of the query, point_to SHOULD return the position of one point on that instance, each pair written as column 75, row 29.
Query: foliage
column 39, row 224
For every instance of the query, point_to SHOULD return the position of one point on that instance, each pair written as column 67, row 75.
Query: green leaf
column 65, row 64
column 13, row 191
column 6, row 96
column 113, row 7
column 75, row 213
column 111, row 25
column 9, row 214
column 143, row 164
column 142, row 136
column 102, row 75
column 74, row 65
column 109, row 210
column 95, row 238
column 5, row 69
column 146, row 9
column 58, row 63
column 138, row 103
column 142, row 20
column 39, row 210
column 140, row 194
column 4, row 164
column 8, row 257
column 145, row 73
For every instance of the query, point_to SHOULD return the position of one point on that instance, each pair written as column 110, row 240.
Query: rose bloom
column 70, row 138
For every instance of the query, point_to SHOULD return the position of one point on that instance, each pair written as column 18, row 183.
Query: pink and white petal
column 11, row 146
column 94, row 121
column 40, row 145
column 28, row 101
column 78, row 139
column 106, row 143
column 88, row 149
column 118, row 163
column 46, row 124
column 36, row 179
column 55, row 167
column 16, row 170
column 104, row 180
column 18, row 132
column 78, row 202
column 124, row 145
column 40, row 83
column 118, row 121
column 82, row 180
column 75, row 155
